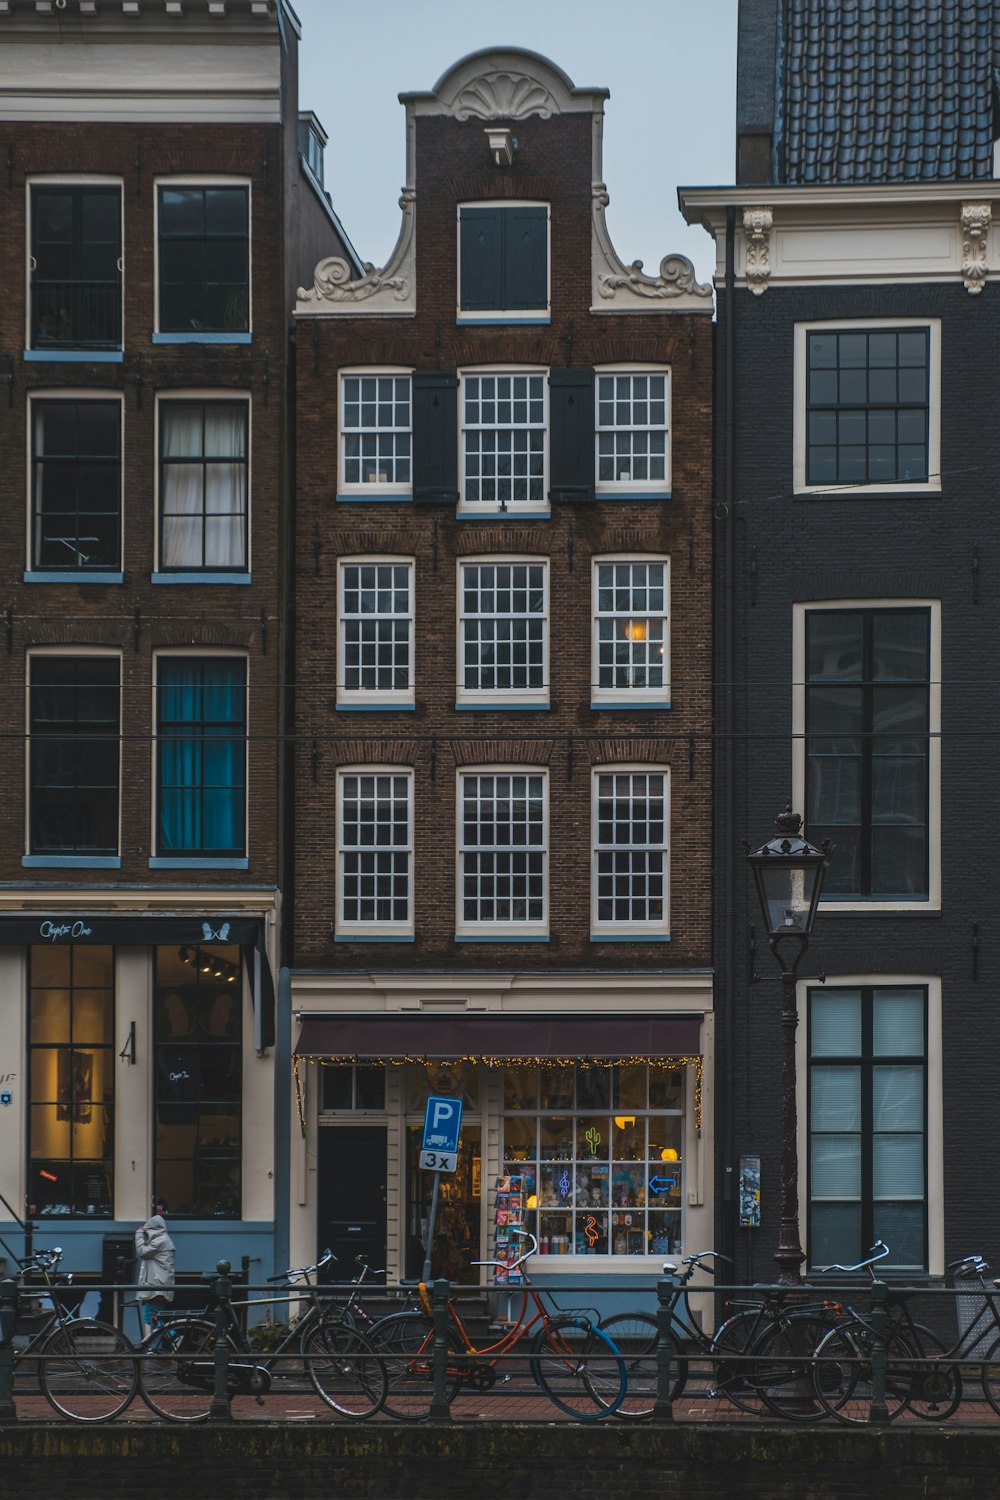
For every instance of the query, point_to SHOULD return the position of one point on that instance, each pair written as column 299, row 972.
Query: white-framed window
column 203, row 264
column 502, row 853
column 504, row 417
column 866, row 722
column 631, row 651
column 599, row 1155
column 632, row 432
column 375, row 632
column 374, row 852
column 75, row 268
column 503, row 632
column 631, row 872
column 503, row 262
column 867, row 406
column 203, row 486
column 376, row 435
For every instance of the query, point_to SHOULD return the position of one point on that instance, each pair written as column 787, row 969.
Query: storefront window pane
column 520, row 1088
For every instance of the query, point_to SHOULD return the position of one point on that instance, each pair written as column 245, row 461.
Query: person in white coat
column 155, row 1252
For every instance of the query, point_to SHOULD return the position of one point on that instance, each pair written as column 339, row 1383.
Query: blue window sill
column 201, row 576
column 621, row 705
column 374, row 937
column 603, row 494
column 350, row 498
column 202, row 338
column 500, row 705
column 469, row 320
column 502, row 937
column 71, row 861
column 193, row 862
column 73, row 575
column 75, row 356
column 375, row 708
column 628, row 937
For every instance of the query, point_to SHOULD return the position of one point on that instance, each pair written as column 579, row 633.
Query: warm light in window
column 669, row 1154
column 622, row 1120
column 635, row 630
column 532, row 1201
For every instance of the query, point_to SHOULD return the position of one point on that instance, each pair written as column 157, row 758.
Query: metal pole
column 221, row 1408
column 663, row 1407
column 429, row 1247
column 789, row 1254
column 8, row 1319
column 878, row 1413
column 440, row 1294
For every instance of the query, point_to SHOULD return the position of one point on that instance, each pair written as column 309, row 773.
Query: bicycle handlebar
column 290, row 1276
column 877, row 1252
column 512, row 1265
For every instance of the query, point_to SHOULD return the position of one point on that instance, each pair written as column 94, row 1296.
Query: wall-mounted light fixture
column 502, row 144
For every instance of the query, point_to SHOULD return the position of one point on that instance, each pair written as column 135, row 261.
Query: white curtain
column 204, row 488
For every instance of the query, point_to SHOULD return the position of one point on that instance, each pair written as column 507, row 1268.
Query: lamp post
column 788, row 874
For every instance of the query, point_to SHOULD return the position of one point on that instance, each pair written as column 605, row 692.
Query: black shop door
column 351, row 1219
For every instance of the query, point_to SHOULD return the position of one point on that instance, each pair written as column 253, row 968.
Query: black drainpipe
column 727, row 1239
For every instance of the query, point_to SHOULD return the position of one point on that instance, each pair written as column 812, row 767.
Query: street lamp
column 788, row 874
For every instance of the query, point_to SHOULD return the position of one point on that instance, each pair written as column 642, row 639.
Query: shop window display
column 599, row 1152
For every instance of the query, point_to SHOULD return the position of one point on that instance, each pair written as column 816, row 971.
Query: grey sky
column 671, row 69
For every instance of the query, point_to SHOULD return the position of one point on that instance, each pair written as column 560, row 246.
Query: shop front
column 590, row 1129
column 137, row 1064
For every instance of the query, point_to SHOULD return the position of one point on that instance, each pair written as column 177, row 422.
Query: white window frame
column 74, row 179
column 504, row 315
column 657, row 928
column 509, row 931
column 374, row 698
column 919, row 905
column 82, row 861
column 629, row 697
column 377, row 489
column 632, row 489
column 388, row 929
column 75, row 575
column 501, row 697
column 196, row 861
column 934, row 1123
column 932, row 485
column 193, row 180
column 492, row 509
column 204, row 395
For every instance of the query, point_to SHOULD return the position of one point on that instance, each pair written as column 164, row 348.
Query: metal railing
column 76, row 314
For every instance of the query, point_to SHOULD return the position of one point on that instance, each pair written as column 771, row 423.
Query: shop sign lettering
column 54, row 931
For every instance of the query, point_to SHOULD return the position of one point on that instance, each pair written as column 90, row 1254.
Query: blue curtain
column 202, row 753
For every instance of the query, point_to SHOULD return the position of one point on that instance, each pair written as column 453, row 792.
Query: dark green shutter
column 526, row 243
column 571, row 425
column 435, row 437
column 482, row 256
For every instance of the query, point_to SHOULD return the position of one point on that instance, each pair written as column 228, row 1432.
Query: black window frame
column 194, row 321
column 507, row 276
column 205, row 461
column 46, row 466
column 843, row 408
column 104, row 746
column 866, row 1062
column 79, row 312
column 868, row 739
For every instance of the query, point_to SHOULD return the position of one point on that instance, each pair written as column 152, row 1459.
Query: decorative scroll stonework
column 757, row 225
column 390, row 291
column 975, row 223
column 628, row 287
column 506, row 95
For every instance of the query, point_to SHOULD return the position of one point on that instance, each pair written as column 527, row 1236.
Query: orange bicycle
column 571, row 1360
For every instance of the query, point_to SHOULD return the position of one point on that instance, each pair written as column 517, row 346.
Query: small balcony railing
column 76, row 314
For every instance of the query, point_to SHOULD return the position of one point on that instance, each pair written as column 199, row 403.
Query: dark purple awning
column 499, row 1036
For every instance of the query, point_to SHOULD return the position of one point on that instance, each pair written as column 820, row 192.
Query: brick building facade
column 502, row 725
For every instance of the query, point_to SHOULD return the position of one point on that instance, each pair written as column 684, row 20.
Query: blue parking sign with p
column 442, row 1124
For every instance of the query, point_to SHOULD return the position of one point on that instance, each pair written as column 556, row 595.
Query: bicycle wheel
column 87, row 1371
column 177, row 1369
column 991, row 1377
column 936, row 1392
column 404, row 1342
column 781, row 1366
column 732, row 1365
column 842, row 1373
column 635, row 1336
column 345, row 1370
column 579, row 1369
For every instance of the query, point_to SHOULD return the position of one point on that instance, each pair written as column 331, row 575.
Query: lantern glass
column 789, row 891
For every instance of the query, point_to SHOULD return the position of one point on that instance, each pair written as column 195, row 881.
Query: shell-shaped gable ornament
column 506, row 96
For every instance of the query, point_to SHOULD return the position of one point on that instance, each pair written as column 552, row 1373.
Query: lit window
column 631, row 639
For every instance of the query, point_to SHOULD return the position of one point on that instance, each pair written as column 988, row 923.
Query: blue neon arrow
column 660, row 1184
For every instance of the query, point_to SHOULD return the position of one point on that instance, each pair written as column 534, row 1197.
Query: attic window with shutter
column 503, row 263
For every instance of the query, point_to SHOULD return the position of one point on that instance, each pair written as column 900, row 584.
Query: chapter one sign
column 442, row 1127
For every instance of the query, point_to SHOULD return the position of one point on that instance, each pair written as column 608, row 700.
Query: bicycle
column 923, row 1375
column 86, row 1368
column 751, row 1354
column 571, row 1360
column 177, row 1360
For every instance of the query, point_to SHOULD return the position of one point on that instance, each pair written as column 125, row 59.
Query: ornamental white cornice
column 975, row 221
column 387, row 292
column 503, row 83
column 757, row 225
